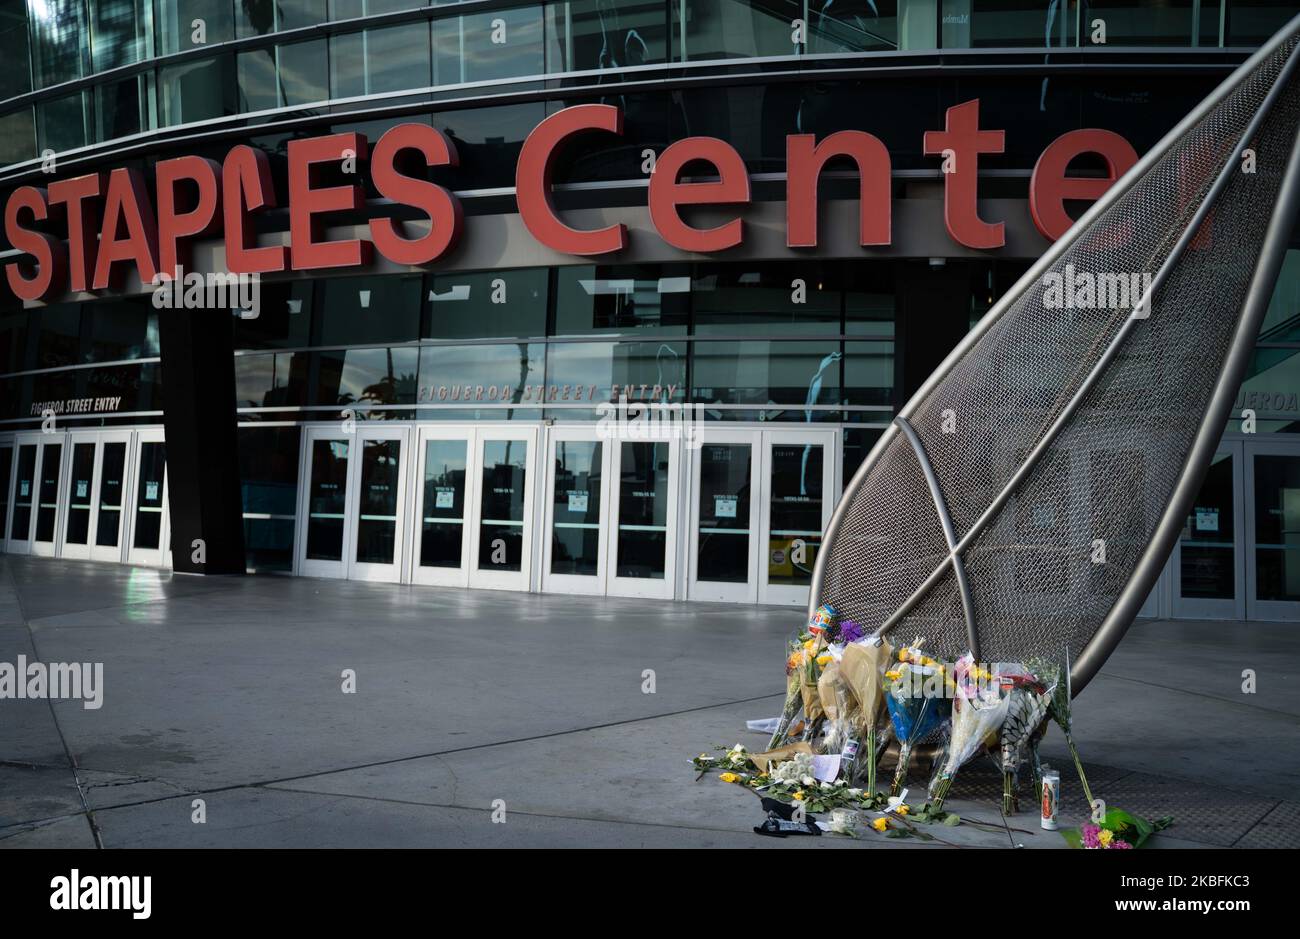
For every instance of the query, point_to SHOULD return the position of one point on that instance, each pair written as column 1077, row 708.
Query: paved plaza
column 230, row 691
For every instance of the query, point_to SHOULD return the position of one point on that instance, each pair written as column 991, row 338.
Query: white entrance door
column 503, row 466
column 1208, row 564
column 79, row 495
column 148, row 537
column 761, row 501
column 49, row 468
column 110, row 490
column 576, row 548
column 353, row 517
column 443, row 480
column 1273, row 529
column 643, row 493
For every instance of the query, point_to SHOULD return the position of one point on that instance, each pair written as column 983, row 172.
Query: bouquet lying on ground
column 1117, row 829
column 917, row 697
column 979, row 706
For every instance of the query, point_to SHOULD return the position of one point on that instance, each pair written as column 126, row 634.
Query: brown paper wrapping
column 861, row 668
column 830, row 677
column 765, row 760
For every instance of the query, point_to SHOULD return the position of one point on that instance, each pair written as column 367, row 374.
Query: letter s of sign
column 533, row 181
column 445, row 215
column 51, row 257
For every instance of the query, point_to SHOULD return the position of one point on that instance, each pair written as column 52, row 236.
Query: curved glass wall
column 336, row 50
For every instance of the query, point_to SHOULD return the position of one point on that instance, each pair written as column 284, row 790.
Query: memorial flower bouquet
column 801, row 673
column 915, row 693
column 979, row 707
column 1116, row 830
column 862, row 671
column 1027, row 704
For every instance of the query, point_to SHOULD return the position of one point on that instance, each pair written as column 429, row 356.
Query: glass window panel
column 327, row 500
column 113, row 471
column 853, row 26
column 62, row 124
column 442, row 527
column 774, row 299
column 284, row 319
column 303, row 78
column 268, row 544
column 593, row 299
column 1138, row 23
column 47, row 503
column 149, row 495
column 121, row 32
column 176, row 32
column 724, row 513
column 869, row 373
column 60, row 41
column 488, row 304
column 1277, row 527
column 643, row 510
column 381, row 465
column 197, row 91
column 501, row 527
column 576, row 513
column 606, row 371
column 379, row 61
column 351, row 9
column 120, row 329
column 17, row 136
column 1209, row 549
column 16, row 78
column 271, row 379
column 24, row 493
column 367, row 376
column 508, row 373
column 726, row 29
column 494, row 136
column 268, row 469
column 257, row 84
column 259, row 17
column 81, row 486
column 763, row 372
column 606, row 34
column 1252, row 22
column 796, row 512
column 971, row 24
column 58, row 335
column 1271, row 387
column 360, row 310
column 1282, row 320
column 13, row 341
column 488, row 46
column 123, row 108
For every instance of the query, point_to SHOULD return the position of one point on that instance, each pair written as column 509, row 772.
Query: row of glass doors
column 732, row 514
column 1238, row 556
column 93, row 495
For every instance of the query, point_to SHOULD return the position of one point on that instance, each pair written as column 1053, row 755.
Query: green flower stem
column 1079, row 768
column 1010, row 804
column 900, row 772
column 940, row 792
column 871, row 759
column 793, row 702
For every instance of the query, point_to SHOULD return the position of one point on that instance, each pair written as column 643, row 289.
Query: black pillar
column 203, row 492
column 934, row 303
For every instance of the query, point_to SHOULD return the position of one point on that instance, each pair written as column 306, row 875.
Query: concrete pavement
column 230, row 691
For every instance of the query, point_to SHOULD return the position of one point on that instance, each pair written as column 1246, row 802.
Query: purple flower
column 1090, row 835
column 1119, row 845
column 850, row 632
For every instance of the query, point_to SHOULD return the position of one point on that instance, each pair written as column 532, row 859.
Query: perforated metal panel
column 1056, row 433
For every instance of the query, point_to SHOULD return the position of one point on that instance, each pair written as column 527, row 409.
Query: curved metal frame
column 1256, row 301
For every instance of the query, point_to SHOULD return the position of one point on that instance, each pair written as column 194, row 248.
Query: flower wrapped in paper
column 801, row 674
column 915, row 693
column 1027, row 703
column 862, row 672
column 979, row 706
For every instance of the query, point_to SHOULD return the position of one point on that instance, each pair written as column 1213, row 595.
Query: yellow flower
column 798, row 796
column 808, row 645
column 903, row 808
column 880, row 824
column 728, row 777
column 893, row 675
column 903, row 654
column 823, row 659
column 1106, row 837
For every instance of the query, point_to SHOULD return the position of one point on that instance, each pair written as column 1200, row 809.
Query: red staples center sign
column 112, row 223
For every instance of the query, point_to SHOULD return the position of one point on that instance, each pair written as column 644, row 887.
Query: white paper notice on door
column 724, row 506
column 577, row 501
column 24, row 488
column 151, row 490
column 1207, row 519
column 83, row 488
column 446, row 499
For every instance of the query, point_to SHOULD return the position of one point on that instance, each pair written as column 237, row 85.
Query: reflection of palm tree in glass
column 618, row 48
column 814, row 392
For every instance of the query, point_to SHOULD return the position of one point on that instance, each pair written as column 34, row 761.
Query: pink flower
column 1090, row 835
column 1118, row 845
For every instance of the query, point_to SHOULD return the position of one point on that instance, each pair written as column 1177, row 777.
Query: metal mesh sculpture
column 1055, row 435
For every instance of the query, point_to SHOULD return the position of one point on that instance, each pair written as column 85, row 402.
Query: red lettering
column 175, row 225
column 965, row 141
column 1050, row 187
column 443, row 209
column 308, row 251
column 246, row 187
column 533, row 181
column 804, row 164
column 50, row 256
column 667, row 194
column 127, row 206
column 83, row 224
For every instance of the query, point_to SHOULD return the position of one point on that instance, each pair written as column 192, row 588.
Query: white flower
column 855, row 792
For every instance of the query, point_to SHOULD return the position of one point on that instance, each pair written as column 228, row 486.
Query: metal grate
column 1032, row 511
